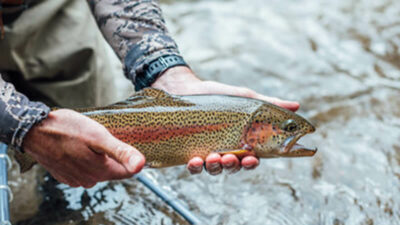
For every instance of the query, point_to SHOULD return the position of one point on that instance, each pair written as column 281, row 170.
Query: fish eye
column 289, row 125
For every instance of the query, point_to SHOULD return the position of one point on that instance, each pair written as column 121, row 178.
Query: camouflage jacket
column 136, row 31
column 17, row 115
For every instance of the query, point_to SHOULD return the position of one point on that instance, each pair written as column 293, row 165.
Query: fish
column 169, row 130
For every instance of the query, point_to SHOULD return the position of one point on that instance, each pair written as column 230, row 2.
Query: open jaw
column 292, row 149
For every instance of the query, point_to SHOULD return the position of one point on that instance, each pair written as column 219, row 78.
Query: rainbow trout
column 170, row 130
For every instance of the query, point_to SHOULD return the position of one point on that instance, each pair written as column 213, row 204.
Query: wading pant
column 55, row 53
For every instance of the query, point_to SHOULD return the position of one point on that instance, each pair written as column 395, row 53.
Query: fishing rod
column 5, row 192
column 174, row 203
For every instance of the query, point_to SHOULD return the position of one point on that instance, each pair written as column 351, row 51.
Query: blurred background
column 339, row 59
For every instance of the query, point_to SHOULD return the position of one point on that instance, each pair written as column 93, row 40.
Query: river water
column 339, row 59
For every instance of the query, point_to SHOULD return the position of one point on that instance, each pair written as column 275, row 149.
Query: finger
column 249, row 162
column 128, row 156
column 98, row 167
column 195, row 165
column 68, row 180
column 88, row 185
column 213, row 164
column 65, row 180
column 86, row 180
column 113, row 171
column 59, row 178
column 292, row 106
column 101, row 168
column 230, row 163
column 78, row 178
column 218, row 88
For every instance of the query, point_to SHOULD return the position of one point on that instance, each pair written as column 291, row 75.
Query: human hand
column 181, row 80
column 78, row 151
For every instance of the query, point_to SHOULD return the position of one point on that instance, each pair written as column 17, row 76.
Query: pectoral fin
column 238, row 152
column 153, row 93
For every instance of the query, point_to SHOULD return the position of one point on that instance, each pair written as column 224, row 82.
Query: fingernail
column 216, row 172
column 134, row 161
column 249, row 167
column 195, row 169
column 214, row 166
column 228, row 165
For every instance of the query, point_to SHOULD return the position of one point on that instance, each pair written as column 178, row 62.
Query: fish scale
column 173, row 137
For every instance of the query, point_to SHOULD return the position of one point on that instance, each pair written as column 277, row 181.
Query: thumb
column 290, row 105
column 125, row 154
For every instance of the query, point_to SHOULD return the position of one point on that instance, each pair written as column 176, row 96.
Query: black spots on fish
column 179, row 135
column 179, row 121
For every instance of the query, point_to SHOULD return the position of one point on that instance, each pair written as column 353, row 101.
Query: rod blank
column 172, row 202
column 4, row 189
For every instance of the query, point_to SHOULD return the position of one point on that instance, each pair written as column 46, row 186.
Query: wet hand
column 78, row 151
column 181, row 80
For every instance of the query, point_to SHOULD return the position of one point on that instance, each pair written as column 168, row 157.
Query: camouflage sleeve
column 17, row 115
column 136, row 30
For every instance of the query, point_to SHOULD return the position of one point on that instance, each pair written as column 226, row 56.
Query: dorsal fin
column 152, row 93
column 148, row 97
column 143, row 96
column 130, row 100
column 151, row 96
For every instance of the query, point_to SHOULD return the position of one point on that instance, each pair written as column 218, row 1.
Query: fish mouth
column 291, row 148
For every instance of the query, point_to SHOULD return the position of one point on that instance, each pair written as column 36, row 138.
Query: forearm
column 17, row 114
column 135, row 30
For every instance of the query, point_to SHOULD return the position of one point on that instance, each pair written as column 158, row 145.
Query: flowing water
column 339, row 59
